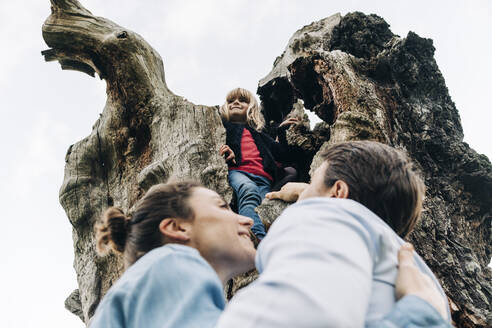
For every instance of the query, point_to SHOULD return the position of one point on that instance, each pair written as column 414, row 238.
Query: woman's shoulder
column 168, row 271
column 176, row 260
column 171, row 262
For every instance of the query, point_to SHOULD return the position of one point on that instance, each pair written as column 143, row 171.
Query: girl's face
column 238, row 108
column 221, row 236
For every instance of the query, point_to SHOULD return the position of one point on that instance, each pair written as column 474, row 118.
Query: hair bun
column 112, row 232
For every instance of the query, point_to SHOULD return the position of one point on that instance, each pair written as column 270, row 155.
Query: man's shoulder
column 322, row 213
column 336, row 207
column 331, row 207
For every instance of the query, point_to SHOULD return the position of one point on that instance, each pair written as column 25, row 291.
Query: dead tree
column 363, row 81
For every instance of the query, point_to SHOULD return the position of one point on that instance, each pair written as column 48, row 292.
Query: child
column 250, row 153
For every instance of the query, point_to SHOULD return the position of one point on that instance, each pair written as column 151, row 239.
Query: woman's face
column 221, row 236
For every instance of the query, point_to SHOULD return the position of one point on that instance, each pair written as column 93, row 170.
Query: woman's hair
column 136, row 235
column 254, row 118
column 379, row 177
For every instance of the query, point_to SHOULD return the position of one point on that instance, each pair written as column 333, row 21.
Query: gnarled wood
column 145, row 135
column 362, row 80
column 370, row 84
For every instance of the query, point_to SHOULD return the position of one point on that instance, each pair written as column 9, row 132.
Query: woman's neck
column 224, row 278
column 224, row 273
column 227, row 270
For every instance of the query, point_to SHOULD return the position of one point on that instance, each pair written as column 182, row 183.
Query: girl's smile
column 238, row 109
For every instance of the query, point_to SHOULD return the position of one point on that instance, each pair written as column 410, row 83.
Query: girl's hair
column 136, row 235
column 379, row 177
column 254, row 118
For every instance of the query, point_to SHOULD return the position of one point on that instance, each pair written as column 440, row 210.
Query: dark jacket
column 270, row 150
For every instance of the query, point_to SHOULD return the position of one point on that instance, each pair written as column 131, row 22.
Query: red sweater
column 251, row 160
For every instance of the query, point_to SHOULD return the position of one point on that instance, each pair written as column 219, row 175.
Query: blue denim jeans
column 250, row 189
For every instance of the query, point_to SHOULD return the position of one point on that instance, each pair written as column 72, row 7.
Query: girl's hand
column 229, row 154
column 411, row 281
column 289, row 121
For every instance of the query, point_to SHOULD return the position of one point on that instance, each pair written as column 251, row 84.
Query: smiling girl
column 250, row 154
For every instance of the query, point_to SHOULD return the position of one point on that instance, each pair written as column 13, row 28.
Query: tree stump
column 363, row 81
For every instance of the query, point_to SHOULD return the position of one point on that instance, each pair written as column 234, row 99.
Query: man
column 342, row 237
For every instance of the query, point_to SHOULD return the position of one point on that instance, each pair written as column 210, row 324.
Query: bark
column 363, row 81
column 145, row 135
column 368, row 83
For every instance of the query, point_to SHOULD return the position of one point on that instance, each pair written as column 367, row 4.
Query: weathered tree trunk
column 368, row 83
column 362, row 80
column 145, row 135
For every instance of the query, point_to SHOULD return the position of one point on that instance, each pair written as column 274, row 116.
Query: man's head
column 378, row 176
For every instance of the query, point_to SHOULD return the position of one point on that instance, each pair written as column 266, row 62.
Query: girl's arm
column 280, row 150
column 282, row 128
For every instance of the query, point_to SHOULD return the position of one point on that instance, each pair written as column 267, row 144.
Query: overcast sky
column 208, row 48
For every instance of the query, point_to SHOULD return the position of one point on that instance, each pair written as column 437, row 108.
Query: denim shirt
column 328, row 263
column 170, row 287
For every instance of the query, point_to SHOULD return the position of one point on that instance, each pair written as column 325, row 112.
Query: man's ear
column 176, row 230
column 340, row 189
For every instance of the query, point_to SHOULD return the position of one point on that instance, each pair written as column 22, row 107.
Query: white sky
column 208, row 48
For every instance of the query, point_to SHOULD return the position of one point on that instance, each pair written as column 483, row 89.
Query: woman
column 179, row 284
column 180, row 247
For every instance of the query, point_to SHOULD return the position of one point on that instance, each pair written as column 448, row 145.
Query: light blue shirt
column 170, row 287
column 324, row 263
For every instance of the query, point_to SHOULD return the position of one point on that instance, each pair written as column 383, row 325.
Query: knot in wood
column 122, row 35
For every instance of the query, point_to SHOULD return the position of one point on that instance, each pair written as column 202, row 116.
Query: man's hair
column 379, row 177
column 254, row 118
